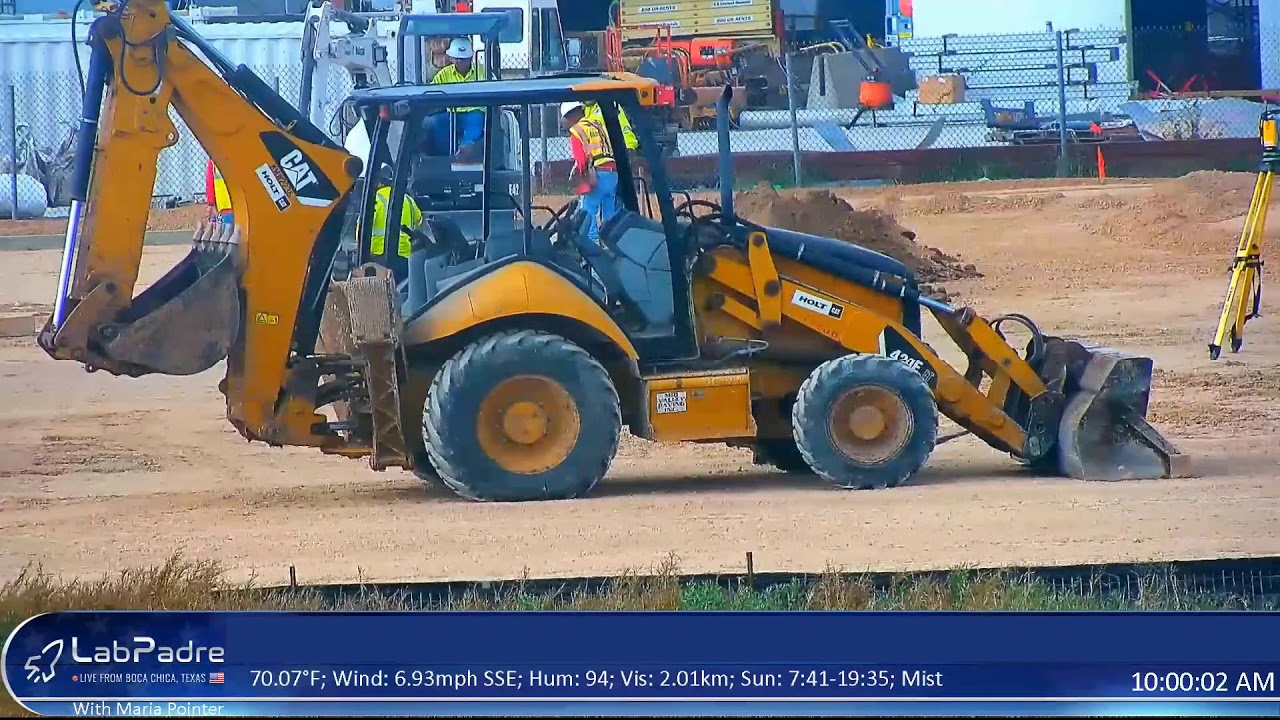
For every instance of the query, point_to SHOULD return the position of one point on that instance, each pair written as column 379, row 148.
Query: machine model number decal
column 671, row 402
column 817, row 304
column 734, row 19
column 650, row 9
column 268, row 178
column 895, row 347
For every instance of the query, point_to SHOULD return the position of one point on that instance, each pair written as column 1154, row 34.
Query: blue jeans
column 601, row 201
column 471, row 123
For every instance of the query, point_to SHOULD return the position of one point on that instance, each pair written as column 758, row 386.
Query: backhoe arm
column 252, row 294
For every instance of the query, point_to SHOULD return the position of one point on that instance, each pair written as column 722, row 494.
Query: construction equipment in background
column 445, row 186
column 851, row 72
column 507, row 363
column 533, row 43
column 360, row 53
column 414, row 44
column 695, row 69
column 1244, row 294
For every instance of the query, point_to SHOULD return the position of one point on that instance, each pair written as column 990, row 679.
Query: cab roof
column 481, row 23
column 531, row 91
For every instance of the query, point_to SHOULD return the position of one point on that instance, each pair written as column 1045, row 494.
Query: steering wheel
column 418, row 235
column 565, row 211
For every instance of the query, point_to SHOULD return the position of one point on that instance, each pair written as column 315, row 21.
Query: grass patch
column 181, row 584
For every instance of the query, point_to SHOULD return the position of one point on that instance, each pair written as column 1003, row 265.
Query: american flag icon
column 217, row 678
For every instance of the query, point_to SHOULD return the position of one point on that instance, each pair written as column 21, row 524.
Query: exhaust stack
column 725, row 156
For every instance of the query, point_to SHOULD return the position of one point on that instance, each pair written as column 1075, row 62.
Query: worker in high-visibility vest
column 595, row 172
column 469, row 119
column 638, row 166
column 628, row 135
column 216, row 192
column 410, row 217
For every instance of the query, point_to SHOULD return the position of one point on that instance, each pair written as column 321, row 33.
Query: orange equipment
column 691, row 72
column 875, row 94
column 216, row 194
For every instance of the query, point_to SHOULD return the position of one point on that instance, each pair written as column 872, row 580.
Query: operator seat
column 641, row 264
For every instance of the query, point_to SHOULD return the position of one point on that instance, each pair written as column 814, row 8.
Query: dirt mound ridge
column 822, row 213
column 952, row 203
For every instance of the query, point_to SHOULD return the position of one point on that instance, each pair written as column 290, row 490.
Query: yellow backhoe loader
column 507, row 362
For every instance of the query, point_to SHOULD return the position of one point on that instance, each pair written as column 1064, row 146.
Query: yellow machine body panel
column 701, row 406
column 518, row 289
column 283, row 190
column 518, row 358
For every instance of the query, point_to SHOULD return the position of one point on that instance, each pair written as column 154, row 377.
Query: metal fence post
column 546, row 154
column 13, row 150
column 795, row 125
column 1063, row 165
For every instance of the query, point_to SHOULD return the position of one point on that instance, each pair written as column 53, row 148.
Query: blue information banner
column 637, row 663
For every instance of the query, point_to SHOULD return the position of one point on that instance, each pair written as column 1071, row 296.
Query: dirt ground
column 100, row 473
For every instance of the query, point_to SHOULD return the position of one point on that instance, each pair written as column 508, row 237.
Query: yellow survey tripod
column 1244, row 295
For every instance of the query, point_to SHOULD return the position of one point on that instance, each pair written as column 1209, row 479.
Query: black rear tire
column 891, row 395
column 481, row 460
column 782, row 454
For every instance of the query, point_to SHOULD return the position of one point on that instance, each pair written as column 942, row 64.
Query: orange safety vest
column 595, row 141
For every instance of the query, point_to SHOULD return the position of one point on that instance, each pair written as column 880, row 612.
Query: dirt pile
column 822, row 213
column 1197, row 217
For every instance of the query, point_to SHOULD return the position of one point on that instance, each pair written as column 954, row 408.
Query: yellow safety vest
column 595, row 141
column 221, row 197
column 449, row 74
column 410, row 216
column 628, row 135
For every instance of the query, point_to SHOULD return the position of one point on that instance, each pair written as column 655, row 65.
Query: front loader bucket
column 187, row 321
column 1103, row 434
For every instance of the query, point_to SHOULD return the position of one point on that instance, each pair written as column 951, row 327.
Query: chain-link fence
column 1062, row 89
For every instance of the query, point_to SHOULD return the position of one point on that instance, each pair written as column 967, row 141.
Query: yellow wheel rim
column 870, row 425
column 528, row 424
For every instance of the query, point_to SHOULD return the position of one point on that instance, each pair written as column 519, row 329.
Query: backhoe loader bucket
column 186, row 322
column 1103, row 434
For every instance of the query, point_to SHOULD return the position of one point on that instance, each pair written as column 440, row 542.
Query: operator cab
column 478, row 218
column 434, row 47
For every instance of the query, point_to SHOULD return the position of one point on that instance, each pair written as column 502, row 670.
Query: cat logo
column 297, row 170
column 297, row 177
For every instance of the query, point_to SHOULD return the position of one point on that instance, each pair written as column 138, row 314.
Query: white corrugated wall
column 37, row 61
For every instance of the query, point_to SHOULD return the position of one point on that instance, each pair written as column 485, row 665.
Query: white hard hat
column 568, row 107
column 460, row 49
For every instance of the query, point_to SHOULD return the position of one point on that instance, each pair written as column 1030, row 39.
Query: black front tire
column 452, row 411
column 424, row 471
column 818, row 438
